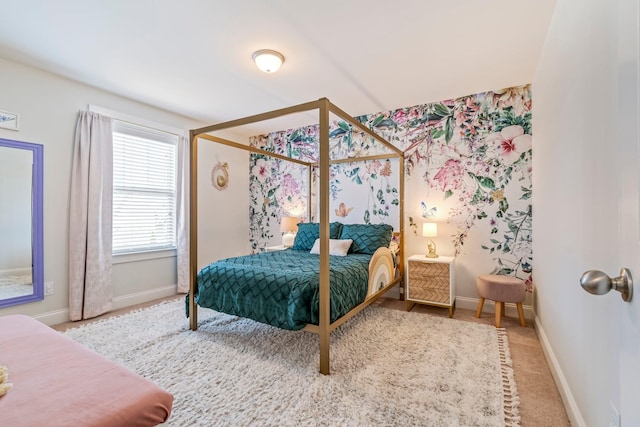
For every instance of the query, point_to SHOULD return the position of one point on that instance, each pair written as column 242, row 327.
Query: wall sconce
column 268, row 60
column 598, row 283
column 430, row 229
column 289, row 228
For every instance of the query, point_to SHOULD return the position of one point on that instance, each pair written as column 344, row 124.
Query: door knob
column 598, row 283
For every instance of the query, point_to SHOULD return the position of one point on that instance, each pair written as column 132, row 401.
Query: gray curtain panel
column 182, row 215
column 90, row 219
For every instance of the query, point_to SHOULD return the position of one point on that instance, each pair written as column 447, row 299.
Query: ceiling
column 193, row 57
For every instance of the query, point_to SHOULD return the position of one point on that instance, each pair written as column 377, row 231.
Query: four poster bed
column 302, row 287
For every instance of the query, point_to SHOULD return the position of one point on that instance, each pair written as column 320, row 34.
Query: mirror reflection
column 20, row 222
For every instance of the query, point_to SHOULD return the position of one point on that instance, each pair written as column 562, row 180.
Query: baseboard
column 472, row 304
column 60, row 316
column 143, row 296
column 53, row 317
column 573, row 412
column 490, row 307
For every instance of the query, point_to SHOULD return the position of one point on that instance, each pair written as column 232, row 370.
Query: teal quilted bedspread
column 281, row 288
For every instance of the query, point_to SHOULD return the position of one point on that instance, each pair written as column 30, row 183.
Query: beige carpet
column 540, row 401
column 388, row 368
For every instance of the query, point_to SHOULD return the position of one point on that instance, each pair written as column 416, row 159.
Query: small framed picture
column 9, row 120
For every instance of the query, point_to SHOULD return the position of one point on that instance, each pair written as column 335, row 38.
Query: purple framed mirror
column 21, row 231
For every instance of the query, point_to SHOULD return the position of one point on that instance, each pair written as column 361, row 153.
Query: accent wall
column 468, row 169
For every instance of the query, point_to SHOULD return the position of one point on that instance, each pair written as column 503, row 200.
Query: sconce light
column 430, row 229
column 289, row 228
column 268, row 60
column 598, row 283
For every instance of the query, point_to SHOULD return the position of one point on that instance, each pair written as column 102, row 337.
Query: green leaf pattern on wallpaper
column 273, row 184
column 374, row 176
column 473, row 154
column 386, row 194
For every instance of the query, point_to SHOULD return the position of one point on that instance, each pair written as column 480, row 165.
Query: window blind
column 144, row 188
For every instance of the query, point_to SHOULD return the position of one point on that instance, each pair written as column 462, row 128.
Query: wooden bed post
column 401, row 226
column 325, row 308
column 309, row 191
column 193, row 230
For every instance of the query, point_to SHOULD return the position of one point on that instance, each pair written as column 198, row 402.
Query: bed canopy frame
column 325, row 108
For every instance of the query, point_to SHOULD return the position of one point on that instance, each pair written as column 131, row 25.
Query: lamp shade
column 289, row 224
column 430, row 229
column 268, row 60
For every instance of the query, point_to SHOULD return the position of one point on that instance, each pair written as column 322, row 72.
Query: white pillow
column 336, row 247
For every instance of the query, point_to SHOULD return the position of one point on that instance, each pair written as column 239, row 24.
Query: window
column 144, row 188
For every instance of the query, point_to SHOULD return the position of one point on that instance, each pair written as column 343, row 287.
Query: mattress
column 282, row 288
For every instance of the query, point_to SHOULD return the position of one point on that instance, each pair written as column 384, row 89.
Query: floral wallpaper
column 273, row 186
column 474, row 154
column 468, row 168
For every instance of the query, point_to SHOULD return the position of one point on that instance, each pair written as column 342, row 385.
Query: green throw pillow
column 367, row 238
column 308, row 232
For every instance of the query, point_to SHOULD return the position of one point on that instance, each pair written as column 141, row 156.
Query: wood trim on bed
column 339, row 112
column 357, row 309
column 309, row 192
column 324, row 320
column 400, row 254
column 252, row 149
column 325, row 107
column 359, row 159
column 193, row 230
column 260, row 117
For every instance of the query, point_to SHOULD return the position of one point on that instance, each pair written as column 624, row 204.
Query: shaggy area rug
column 388, row 367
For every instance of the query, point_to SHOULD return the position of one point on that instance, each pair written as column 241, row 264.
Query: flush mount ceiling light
column 268, row 60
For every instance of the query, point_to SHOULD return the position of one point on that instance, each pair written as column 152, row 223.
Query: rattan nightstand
column 431, row 281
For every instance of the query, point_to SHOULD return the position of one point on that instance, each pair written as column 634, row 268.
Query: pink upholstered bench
column 58, row 382
column 501, row 289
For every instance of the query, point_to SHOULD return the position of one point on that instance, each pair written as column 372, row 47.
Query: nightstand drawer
column 428, row 269
column 430, row 295
column 429, row 288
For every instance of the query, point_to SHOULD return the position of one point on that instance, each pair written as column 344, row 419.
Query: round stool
column 501, row 289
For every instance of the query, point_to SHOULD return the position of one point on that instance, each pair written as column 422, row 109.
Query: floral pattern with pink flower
column 511, row 142
column 262, row 170
column 449, row 176
column 290, row 187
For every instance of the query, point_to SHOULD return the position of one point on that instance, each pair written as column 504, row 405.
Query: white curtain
column 90, row 218
column 182, row 214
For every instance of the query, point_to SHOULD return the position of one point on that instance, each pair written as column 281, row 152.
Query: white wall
column 575, row 204
column 223, row 215
column 48, row 106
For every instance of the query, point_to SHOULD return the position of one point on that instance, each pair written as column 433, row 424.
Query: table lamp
column 289, row 228
column 430, row 229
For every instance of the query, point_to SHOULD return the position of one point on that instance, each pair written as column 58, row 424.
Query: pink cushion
column 58, row 382
column 501, row 288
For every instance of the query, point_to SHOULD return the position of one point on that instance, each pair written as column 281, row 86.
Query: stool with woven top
column 501, row 289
